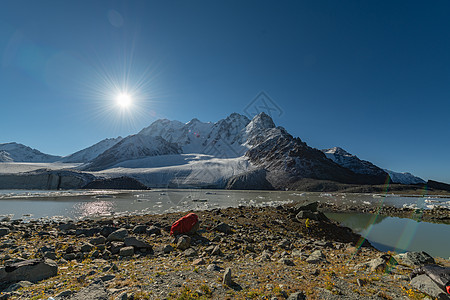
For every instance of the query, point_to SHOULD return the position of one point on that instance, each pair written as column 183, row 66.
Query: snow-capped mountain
column 88, row 154
column 14, row 152
column 352, row 162
column 224, row 138
column 234, row 152
column 132, row 147
column 404, row 178
column 288, row 159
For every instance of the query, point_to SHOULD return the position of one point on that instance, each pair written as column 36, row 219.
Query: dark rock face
column 289, row 159
column 119, row 183
column 45, row 179
column 252, row 180
column 29, row 270
column 436, row 185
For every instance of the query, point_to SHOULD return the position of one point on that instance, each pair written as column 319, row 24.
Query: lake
column 385, row 233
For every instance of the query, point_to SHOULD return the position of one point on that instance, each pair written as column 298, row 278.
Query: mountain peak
column 260, row 122
column 337, row 151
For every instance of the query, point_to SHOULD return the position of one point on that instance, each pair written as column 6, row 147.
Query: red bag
column 185, row 224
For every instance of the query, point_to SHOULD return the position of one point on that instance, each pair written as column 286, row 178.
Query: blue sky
column 369, row 76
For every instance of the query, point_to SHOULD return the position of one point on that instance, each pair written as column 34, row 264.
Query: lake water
column 385, row 233
column 399, row 234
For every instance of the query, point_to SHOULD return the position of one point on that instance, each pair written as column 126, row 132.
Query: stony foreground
column 238, row 253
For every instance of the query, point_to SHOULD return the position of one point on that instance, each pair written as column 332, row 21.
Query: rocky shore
column 238, row 253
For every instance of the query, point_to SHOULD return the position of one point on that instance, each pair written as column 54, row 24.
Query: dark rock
column 286, row 262
column 67, row 226
column 115, row 247
column 119, row 183
column 118, row 235
column 107, row 230
column 64, row 294
column 126, row 251
column 312, row 207
column 86, row 247
column 50, row 254
column 167, row 249
column 87, row 231
column 426, row 285
column 227, row 277
column 297, row 296
column 98, row 240
column 69, row 256
column 251, row 180
column 16, row 286
column 138, row 229
column 136, row 243
column 316, row 257
column 415, row 259
column 108, row 277
column 30, row 270
column 4, row 231
column 223, row 227
column 184, row 242
column 154, row 230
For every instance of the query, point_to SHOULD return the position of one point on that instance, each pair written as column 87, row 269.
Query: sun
column 124, row 100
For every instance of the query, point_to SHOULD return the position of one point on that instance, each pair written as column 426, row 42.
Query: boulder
column 67, row 226
column 415, row 259
column 98, row 240
column 223, row 227
column 316, row 257
column 140, row 229
column 227, row 277
column 15, row 286
column 86, row 247
column 153, row 230
column 424, row 284
column 118, row 235
column 312, row 207
column 136, row 243
column 4, row 231
column 126, row 251
column 167, row 249
column 297, row 296
column 29, row 270
column 184, row 242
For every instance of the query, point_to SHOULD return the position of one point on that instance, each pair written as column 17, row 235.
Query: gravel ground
column 269, row 252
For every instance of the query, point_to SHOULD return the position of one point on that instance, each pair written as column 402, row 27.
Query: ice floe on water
column 92, row 204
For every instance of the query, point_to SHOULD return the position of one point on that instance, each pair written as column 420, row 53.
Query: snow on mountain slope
column 5, row 157
column 180, row 171
column 404, row 178
column 91, row 152
column 132, row 147
column 352, row 162
column 22, row 167
column 221, row 139
column 21, row 153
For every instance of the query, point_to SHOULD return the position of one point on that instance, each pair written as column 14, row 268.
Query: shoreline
column 269, row 251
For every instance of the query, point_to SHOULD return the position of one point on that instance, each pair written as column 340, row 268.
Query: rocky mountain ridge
column 195, row 149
